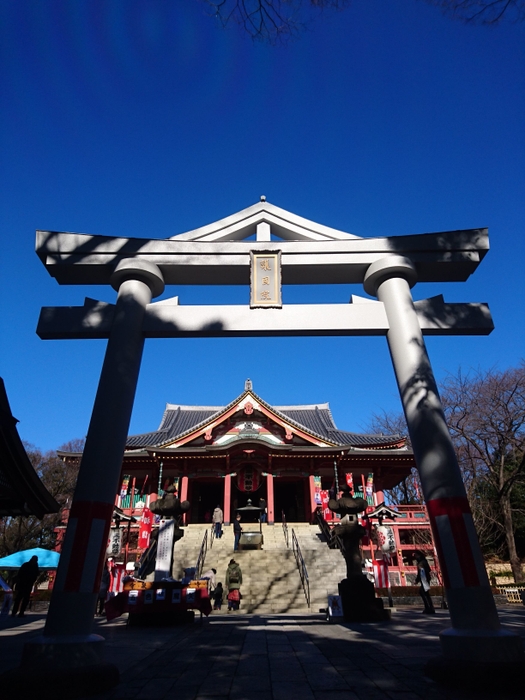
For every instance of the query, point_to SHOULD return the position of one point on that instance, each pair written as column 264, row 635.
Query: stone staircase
column 271, row 581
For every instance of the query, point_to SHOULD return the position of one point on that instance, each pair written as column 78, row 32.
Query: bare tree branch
column 483, row 11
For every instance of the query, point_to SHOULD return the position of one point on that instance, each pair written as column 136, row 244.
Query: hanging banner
column 145, row 528
column 370, row 489
column 116, row 585
column 248, row 479
column 349, row 481
column 317, row 490
column 124, row 486
column 114, row 547
column 327, row 513
column 381, row 577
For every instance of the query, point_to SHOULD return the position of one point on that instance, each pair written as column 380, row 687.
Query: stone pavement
column 273, row 657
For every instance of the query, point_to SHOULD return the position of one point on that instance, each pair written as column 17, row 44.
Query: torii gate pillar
column 67, row 642
column 476, row 635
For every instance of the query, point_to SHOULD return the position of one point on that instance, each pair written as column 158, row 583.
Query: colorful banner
column 317, row 490
column 370, row 489
column 327, row 513
column 349, row 481
column 125, row 485
column 381, row 574
column 117, row 572
column 146, row 523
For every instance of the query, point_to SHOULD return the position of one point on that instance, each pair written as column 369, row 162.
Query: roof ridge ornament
column 248, row 385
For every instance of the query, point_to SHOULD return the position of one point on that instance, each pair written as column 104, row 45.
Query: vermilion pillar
column 313, row 504
column 269, row 496
column 184, row 496
column 227, row 499
column 476, row 634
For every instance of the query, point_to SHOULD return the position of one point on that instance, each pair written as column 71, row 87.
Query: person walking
column 233, row 584
column 262, row 506
column 237, row 531
column 105, row 582
column 217, row 520
column 210, row 575
column 423, row 578
column 25, row 580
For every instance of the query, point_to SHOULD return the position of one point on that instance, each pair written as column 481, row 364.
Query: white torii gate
column 307, row 253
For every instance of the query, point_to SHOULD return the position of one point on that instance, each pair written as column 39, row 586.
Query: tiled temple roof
column 314, row 419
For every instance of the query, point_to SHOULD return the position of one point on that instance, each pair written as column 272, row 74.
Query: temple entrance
column 240, row 499
column 204, row 495
column 289, row 497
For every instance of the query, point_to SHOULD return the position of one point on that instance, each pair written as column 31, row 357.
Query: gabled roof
column 244, row 223
column 21, row 491
column 312, row 422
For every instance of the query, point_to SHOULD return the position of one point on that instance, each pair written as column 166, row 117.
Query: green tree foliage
column 19, row 533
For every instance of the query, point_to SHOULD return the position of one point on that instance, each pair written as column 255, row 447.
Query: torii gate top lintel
column 220, row 254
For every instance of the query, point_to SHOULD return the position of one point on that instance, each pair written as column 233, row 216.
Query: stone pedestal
column 359, row 601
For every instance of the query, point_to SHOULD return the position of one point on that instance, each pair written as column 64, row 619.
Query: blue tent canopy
column 46, row 559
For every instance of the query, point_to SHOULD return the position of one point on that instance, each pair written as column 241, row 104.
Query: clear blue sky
column 145, row 118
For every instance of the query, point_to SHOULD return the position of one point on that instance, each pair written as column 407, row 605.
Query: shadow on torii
column 306, row 253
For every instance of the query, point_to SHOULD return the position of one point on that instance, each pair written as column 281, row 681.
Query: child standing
column 217, row 596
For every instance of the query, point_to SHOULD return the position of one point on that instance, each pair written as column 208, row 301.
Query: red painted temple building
column 288, row 455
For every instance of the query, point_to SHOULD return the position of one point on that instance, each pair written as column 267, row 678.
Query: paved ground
column 250, row 657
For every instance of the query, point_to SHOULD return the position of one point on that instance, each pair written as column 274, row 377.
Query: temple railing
column 303, row 573
column 332, row 538
column 202, row 556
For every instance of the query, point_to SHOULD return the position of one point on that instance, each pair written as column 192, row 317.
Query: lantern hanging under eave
column 385, row 539
column 248, row 479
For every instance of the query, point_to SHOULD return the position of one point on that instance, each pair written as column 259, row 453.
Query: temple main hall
column 287, row 455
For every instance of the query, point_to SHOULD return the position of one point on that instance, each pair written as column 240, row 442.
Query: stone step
column 271, row 581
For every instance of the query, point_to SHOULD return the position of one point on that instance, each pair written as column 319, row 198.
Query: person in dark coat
column 25, row 580
column 262, row 506
column 423, row 578
column 105, row 583
column 217, row 596
column 237, row 531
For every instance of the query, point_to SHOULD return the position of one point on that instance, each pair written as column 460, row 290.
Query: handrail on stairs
column 285, row 530
column 212, row 534
column 202, row 556
column 303, row 573
column 332, row 538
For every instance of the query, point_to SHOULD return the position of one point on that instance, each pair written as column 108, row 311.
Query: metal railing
column 202, row 556
column 332, row 538
column 285, row 530
column 303, row 573
column 212, row 535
